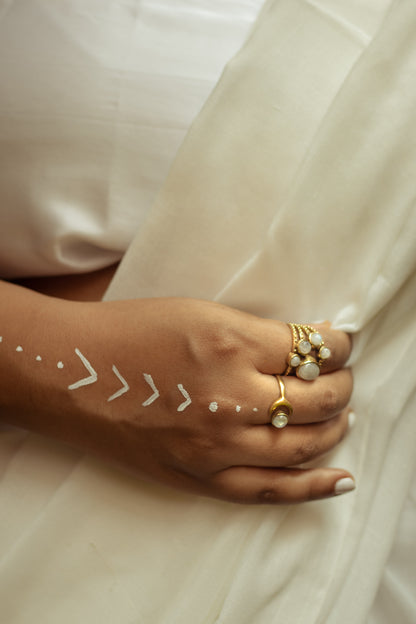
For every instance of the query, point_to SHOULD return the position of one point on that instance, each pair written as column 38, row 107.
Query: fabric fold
column 337, row 242
column 291, row 195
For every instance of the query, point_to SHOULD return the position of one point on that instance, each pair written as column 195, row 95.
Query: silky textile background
column 292, row 197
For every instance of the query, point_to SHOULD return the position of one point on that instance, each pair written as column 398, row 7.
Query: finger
column 312, row 402
column 242, row 484
column 275, row 342
column 340, row 345
column 268, row 447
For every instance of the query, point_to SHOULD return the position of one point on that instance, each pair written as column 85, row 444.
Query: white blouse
column 95, row 100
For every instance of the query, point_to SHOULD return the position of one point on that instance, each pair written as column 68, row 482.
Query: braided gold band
column 281, row 410
column 308, row 352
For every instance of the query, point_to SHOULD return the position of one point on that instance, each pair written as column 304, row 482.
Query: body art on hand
column 187, row 401
column 122, row 390
column 155, row 394
column 87, row 380
column 93, row 378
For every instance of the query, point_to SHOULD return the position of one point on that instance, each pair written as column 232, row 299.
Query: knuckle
column 329, row 402
column 214, row 344
column 224, row 345
column 204, row 449
column 198, row 455
column 305, row 450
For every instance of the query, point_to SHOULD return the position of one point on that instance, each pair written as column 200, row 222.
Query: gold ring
column 281, row 410
column 308, row 352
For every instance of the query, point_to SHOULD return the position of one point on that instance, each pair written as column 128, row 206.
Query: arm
column 177, row 390
column 77, row 287
column 36, row 331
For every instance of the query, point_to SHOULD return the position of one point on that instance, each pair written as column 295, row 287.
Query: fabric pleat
column 292, row 197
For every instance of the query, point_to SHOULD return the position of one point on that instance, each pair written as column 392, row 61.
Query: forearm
column 80, row 287
column 37, row 323
column 36, row 341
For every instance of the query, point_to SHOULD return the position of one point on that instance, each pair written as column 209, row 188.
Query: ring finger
column 313, row 402
column 264, row 446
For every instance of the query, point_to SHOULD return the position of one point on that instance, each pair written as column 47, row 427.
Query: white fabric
column 95, row 99
column 304, row 186
column 396, row 596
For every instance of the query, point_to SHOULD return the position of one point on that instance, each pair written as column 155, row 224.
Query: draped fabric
column 292, row 197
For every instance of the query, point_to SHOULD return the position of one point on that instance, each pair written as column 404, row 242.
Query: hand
column 209, row 430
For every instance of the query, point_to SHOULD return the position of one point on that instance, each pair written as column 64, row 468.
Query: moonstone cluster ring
column 281, row 410
column 308, row 352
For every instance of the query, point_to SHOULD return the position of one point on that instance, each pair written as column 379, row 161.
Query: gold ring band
column 281, row 410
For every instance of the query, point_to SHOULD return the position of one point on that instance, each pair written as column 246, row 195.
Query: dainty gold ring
column 281, row 410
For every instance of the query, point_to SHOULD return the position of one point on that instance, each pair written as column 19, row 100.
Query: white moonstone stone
column 308, row 371
column 294, row 361
column 315, row 338
column 280, row 420
column 325, row 353
column 304, row 347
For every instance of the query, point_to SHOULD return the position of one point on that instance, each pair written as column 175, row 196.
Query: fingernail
column 351, row 419
column 342, row 486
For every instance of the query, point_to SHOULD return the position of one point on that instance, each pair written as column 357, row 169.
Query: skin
column 216, row 353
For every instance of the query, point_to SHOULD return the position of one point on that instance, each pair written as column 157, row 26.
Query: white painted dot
column 255, row 409
column 19, row 348
column 213, row 406
column 1, row 338
column 60, row 365
column 238, row 408
column 38, row 358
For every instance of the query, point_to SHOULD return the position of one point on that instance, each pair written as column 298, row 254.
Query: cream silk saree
column 292, row 197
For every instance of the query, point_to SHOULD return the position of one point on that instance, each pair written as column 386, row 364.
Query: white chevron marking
column 122, row 390
column 155, row 395
column 87, row 380
column 188, row 401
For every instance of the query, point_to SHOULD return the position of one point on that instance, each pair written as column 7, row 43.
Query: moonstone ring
column 308, row 352
column 281, row 410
